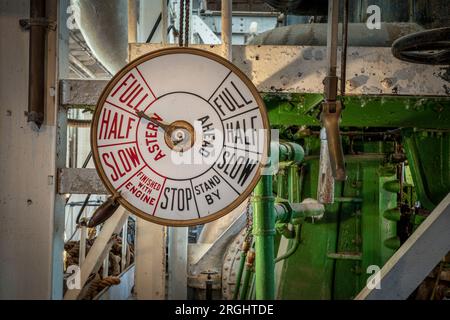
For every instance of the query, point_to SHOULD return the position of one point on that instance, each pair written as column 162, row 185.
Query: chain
column 180, row 33
column 187, row 9
column 183, row 34
column 249, row 220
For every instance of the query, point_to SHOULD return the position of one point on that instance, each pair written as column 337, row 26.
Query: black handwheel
column 425, row 47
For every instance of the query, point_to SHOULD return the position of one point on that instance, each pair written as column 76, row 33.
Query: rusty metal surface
column 315, row 34
column 302, row 69
column 325, row 185
column 81, row 92
column 80, row 181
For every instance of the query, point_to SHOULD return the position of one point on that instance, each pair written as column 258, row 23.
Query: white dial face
column 181, row 135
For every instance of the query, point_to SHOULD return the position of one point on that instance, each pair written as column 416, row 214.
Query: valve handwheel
column 179, row 136
column 425, row 47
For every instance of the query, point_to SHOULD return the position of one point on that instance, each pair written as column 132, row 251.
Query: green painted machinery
column 397, row 152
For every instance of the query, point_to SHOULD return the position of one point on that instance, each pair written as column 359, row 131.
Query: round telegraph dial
column 179, row 135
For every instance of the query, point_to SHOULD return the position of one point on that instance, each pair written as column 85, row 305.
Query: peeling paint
column 297, row 69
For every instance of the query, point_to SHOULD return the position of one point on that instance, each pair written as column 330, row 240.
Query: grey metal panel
column 241, row 23
column 80, row 181
column 81, row 92
column 415, row 259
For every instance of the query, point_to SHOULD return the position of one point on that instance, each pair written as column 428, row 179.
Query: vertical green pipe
column 280, row 183
column 247, row 274
column 245, row 248
column 264, row 232
column 251, row 293
column 293, row 185
column 239, row 275
column 246, row 282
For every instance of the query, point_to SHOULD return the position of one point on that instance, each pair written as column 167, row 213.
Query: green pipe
column 282, row 211
column 417, row 171
column 264, row 222
column 264, row 233
column 239, row 275
column 283, row 229
column 293, row 179
column 348, row 199
column 247, row 275
column 245, row 247
column 392, row 186
column 294, row 245
column 245, row 285
column 280, row 184
column 393, row 214
column 289, row 151
column 252, row 293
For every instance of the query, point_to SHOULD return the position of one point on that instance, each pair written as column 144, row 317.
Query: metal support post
column 293, row 187
column 227, row 32
column 177, row 263
column 150, row 260
column 165, row 24
column 132, row 21
column 105, row 272
column 82, row 253
column 123, row 260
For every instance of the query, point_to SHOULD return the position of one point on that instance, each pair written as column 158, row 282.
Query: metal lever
column 332, row 108
column 104, row 212
column 325, row 185
column 330, row 118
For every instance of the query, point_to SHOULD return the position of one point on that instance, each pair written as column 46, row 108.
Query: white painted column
column 177, row 263
column 27, row 171
column 150, row 261
column 123, row 253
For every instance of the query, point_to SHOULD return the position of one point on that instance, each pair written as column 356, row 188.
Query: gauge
column 179, row 136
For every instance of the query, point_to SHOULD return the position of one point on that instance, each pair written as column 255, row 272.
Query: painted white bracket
column 415, row 259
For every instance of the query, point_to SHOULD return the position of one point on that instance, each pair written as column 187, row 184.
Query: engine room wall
column 27, row 170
